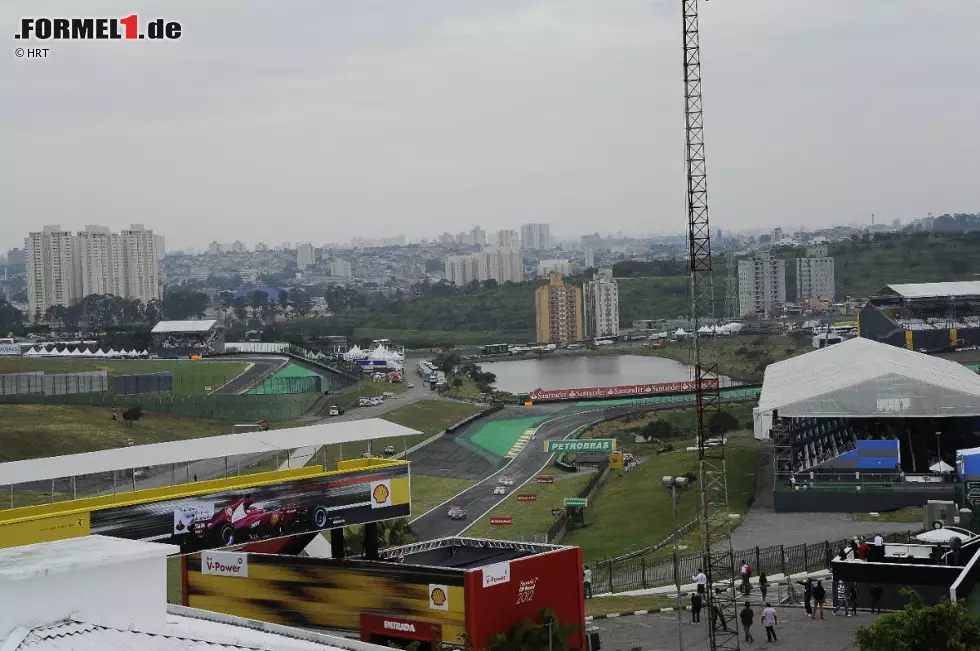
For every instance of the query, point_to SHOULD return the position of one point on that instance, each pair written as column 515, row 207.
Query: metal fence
column 650, row 571
column 16, row 385
column 134, row 385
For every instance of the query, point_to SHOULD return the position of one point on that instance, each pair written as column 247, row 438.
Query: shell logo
column 438, row 597
column 380, row 494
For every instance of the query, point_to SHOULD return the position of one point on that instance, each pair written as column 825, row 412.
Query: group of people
column 747, row 614
column 815, row 596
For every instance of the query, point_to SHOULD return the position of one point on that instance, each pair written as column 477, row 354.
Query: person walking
column 587, row 580
column 876, row 591
column 747, row 615
column 769, row 621
column 746, row 573
column 863, row 549
column 879, row 549
column 763, row 585
column 819, row 597
column 807, row 596
column 716, row 613
column 696, row 603
column 701, row 580
column 852, row 599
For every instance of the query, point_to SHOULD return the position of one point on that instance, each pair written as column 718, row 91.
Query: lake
column 571, row 372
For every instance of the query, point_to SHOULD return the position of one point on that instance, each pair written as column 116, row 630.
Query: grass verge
column 530, row 518
column 742, row 357
column 613, row 605
column 431, row 416
column 633, row 510
column 430, row 492
column 347, row 399
column 910, row 514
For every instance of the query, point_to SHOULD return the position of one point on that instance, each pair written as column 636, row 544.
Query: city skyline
column 417, row 118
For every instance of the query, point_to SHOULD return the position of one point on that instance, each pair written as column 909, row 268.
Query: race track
column 262, row 368
column 480, row 499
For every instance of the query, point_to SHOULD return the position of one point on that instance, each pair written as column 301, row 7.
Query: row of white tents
column 128, row 354
column 727, row 329
column 377, row 354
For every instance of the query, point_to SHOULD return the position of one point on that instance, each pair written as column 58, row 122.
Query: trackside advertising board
column 580, row 445
column 222, row 518
column 623, row 391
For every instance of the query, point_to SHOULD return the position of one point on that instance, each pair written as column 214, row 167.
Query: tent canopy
column 861, row 378
column 941, row 466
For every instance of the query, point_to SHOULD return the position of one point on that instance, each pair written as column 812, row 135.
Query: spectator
column 696, row 603
column 819, row 597
column 716, row 613
column 879, row 545
column 746, row 572
column 701, row 580
column 863, row 550
column 769, row 621
column 807, row 595
column 842, row 599
column 876, row 592
column 747, row 616
column 587, row 580
column 763, row 585
column 852, row 598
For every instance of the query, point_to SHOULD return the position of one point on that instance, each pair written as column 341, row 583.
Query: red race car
column 242, row 521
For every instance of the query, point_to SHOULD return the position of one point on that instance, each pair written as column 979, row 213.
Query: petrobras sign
column 622, row 391
column 496, row 574
column 225, row 564
column 9, row 350
column 583, row 445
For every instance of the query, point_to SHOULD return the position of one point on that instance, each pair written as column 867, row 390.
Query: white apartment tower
column 502, row 264
column 508, row 238
column 50, row 269
column 139, row 274
column 536, row 237
column 815, row 276
column 600, row 302
column 305, row 256
column 340, row 268
column 97, row 262
column 479, row 236
column 558, row 266
column 761, row 285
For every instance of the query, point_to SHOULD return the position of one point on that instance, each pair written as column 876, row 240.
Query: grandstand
column 926, row 317
column 865, row 418
column 176, row 339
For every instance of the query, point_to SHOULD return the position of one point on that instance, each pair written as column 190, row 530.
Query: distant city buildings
column 377, row 243
column 214, row 248
column 261, row 247
column 761, row 285
column 501, row 264
column 161, row 244
column 558, row 266
column 558, row 312
column 238, row 246
column 815, row 279
column 508, row 238
column 340, row 268
column 536, row 237
column 305, row 256
column 62, row 268
column 478, row 236
column 600, row 301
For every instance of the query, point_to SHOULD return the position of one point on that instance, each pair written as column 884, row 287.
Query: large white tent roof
column 861, row 378
column 212, row 447
column 183, row 326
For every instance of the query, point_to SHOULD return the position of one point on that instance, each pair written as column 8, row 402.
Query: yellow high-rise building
column 558, row 311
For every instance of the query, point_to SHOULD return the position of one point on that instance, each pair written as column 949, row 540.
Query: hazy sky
column 324, row 120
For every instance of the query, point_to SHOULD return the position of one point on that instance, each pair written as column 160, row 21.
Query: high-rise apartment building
column 761, row 285
column 815, row 279
column 261, row 247
column 508, row 238
column 558, row 312
column 340, row 267
column 97, row 262
column 557, row 266
column 478, row 236
column 501, row 264
column 305, row 256
column 446, row 238
column 536, row 237
column 161, row 246
column 139, row 275
column 238, row 246
column 589, row 258
column 214, row 248
column 600, row 299
column 62, row 268
column 50, row 269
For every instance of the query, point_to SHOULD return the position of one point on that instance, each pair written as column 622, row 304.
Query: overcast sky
column 324, row 120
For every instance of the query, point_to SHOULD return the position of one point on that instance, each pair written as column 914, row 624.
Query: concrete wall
column 132, row 385
column 13, row 384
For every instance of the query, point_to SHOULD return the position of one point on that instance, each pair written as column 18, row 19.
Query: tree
column 391, row 533
column 721, row 422
column 10, row 317
column 947, row 626
column 528, row 635
column 659, row 429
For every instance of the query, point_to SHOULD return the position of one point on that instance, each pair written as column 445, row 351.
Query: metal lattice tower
column 715, row 530
column 731, row 285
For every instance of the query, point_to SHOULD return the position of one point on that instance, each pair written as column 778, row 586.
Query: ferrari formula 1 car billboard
column 241, row 515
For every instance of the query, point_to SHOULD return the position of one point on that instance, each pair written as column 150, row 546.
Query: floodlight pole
column 939, row 451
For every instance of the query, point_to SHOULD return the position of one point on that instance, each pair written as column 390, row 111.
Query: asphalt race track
column 262, row 368
column 480, row 498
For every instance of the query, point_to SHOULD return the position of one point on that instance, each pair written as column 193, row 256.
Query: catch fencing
column 656, row 568
column 134, row 385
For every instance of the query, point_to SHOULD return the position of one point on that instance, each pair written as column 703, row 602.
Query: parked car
column 457, row 513
column 334, row 410
column 364, row 402
column 242, row 521
column 366, row 454
column 377, row 400
column 499, row 490
column 389, row 450
column 411, row 385
column 504, row 480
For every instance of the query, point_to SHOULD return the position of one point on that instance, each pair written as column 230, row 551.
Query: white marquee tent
column 861, row 378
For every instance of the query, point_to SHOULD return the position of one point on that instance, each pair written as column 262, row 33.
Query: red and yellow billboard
column 388, row 601
column 623, row 391
column 222, row 513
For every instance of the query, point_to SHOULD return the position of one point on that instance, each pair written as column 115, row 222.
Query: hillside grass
column 191, row 377
column 431, row 416
column 429, row 492
column 740, row 357
column 530, row 518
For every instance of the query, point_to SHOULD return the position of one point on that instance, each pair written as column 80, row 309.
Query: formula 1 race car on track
column 505, row 480
column 242, row 521
column 499, row 490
